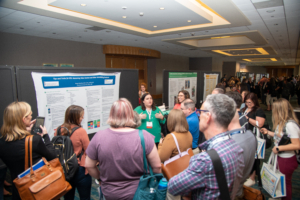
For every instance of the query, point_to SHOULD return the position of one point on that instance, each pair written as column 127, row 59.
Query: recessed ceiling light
column 154, row 26
column 124, row 7
column 275, row 24
column 21, row 28
column 189, row 20
column 270, row 11
column 53, row 33
column 38, row 22
column 141, row 14
column 124, row 17
column 83, row 4
column 107, row 31
column 161, row 8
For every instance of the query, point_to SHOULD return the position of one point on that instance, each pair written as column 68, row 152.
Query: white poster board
column 251, row 75
column 182, row 81
column 210, row 82
column 95, row 92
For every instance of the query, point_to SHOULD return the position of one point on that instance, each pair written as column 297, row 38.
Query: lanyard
column 226, row 137
column 237, row 131
column 149, row 113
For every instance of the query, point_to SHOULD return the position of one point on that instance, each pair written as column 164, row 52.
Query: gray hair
column 189, row 103
column 221, row 107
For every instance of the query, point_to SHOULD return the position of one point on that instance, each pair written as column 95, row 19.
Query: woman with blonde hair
column 285, row 122
column 17, row 125
column 119, row 152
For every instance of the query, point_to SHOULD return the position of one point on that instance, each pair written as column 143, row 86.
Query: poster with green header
column 182, row 81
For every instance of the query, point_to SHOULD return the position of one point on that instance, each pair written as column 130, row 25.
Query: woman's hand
column 274, row 150
column 44, row 131
column 159, row 116
column 31, row 125
column 264, row 131
column 143, row 116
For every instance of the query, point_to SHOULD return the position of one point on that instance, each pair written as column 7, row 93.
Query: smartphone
column 36, row 128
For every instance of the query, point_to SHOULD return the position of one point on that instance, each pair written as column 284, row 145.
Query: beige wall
column 34, row 51
column 168, row 62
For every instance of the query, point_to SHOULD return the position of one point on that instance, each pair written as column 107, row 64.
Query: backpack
column 65, row 153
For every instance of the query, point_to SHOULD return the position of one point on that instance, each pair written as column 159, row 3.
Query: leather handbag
column 178, row 163
column 252, row 194
column 45, row 183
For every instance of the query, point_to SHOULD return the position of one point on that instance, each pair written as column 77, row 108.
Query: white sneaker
column 249, row 182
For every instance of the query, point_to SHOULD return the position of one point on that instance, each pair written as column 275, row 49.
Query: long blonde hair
column 282, row 112
column 13, row 127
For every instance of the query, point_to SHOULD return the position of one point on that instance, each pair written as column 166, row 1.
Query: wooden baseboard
column 157, row 96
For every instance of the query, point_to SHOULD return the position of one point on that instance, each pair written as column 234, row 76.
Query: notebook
column 34, row 167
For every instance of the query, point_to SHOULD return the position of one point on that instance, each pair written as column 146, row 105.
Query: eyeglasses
column 249, row 102
column 203, row 111
column 180, row 95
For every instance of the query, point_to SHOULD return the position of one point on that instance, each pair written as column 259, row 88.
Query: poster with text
column 95, row 92
column 210, row 82
column 182, row 81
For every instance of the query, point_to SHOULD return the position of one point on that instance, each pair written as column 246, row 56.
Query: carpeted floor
column 295, row 180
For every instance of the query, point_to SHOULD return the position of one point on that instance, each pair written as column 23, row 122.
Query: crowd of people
column 228, row 122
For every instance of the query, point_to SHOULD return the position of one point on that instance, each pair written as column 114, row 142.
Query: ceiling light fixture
column 189, row 21
column 219, row 37
column 154, row 26
column 141, row 14
column 161, row 8
column 83, row 4
column 124, row 17
column 270, row 11
column 124, row 7
column 275, row 24
column 21, row 28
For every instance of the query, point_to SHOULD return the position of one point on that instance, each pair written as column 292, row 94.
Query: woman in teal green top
column 151, row 116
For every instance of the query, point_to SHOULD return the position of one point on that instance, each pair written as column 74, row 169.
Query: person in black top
column 17, row 125
column 256, row 117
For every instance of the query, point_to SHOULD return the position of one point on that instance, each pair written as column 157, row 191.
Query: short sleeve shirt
column 120, row 157
column 258, row 113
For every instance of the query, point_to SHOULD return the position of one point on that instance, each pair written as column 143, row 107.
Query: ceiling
column 255, row 32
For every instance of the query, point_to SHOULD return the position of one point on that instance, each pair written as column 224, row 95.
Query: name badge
column 149, row 125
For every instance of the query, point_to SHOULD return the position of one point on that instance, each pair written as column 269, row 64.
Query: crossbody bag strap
column 144, row 154
column 176, row 142
column 220, row 175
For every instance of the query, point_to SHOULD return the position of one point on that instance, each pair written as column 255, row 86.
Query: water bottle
column 163, row 184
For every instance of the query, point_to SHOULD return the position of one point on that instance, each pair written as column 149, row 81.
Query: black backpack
column 65, row 152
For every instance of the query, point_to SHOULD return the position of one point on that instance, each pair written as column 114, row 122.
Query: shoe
column 249, row 182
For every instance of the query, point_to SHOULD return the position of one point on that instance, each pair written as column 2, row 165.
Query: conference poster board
column 182, row 81
column 210, row 82
column 95, row 92
column 251, row 75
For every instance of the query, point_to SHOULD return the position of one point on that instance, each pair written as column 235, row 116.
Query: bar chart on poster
column 95, row 92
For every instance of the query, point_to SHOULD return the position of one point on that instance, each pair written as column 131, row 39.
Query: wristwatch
column 277, row 149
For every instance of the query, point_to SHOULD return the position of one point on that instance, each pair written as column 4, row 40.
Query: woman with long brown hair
column 80, row 141
column 285, row 122
column 182, row 95
column 17, row 124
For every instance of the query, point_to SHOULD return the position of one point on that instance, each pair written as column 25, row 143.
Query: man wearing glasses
column 199, row 178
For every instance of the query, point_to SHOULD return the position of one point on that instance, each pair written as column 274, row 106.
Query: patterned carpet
column 295, row 180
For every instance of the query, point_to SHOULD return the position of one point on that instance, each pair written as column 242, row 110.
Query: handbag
column 46, row 182
column 178, row 163
column 261, row 144
column 252, row 194
column 148, row 185
column 273, row 180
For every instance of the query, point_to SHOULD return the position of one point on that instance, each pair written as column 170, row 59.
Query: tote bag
column 273, row 180
column 261, row 144
column 148, row 185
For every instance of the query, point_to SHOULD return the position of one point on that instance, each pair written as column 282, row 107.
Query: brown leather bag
column 47, row 182
column 178, row 163
column 252, row 194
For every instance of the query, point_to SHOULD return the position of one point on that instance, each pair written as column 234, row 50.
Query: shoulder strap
column 144, row 153
column 59, row 130
column 220, row 175
column 176, row 142
column 74, row 129
column 26, row 152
